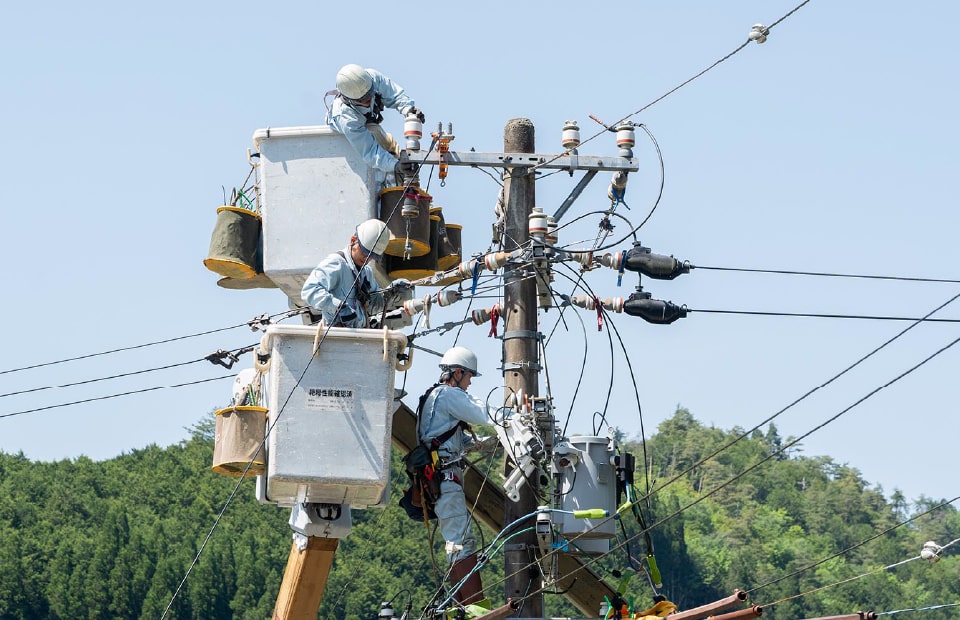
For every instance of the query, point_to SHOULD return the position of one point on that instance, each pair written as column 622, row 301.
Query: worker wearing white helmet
column 356, row 112
column 446, row 412
column 342, row 287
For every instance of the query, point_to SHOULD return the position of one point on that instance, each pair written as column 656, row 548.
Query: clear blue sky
column 832, row 148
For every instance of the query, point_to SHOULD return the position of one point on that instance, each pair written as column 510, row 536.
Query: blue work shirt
column 445, row 407
column 350, row 120
column 332, row 282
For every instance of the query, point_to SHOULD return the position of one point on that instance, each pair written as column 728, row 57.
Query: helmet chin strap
column 459, row 382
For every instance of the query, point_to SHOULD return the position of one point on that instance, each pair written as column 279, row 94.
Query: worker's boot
column 472, row 590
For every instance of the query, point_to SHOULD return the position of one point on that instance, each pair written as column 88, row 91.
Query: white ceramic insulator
column 552, row 236
column 537, row 222
column 613, row 261
column 570, row 139
column 466, row 268
column 413, row 306
column 613, row 304
column 447, row 297
column 496, row 260
column 413, row 132
column 583, row 301
column 626, row 136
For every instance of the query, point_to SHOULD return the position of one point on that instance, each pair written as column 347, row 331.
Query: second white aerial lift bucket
column 331, row 414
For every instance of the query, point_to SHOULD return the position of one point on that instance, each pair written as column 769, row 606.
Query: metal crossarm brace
column 523, row 160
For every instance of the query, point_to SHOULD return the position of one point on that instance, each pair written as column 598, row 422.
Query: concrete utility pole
column 520, row 360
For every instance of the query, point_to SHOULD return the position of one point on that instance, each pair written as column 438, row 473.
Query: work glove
column 416, row 112
column 405, row 170
column 400, row 284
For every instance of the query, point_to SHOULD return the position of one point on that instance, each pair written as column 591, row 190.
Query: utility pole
column 521, row 364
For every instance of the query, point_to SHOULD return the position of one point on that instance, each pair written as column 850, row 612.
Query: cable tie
column 494, row 319
column 476, row 277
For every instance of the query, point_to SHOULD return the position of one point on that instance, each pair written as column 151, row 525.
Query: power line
column 251, row 324
column 825, row 316
column 825, row 274
column 851, row 548
column 677, row 87
column 89, row 400
column 76, row 383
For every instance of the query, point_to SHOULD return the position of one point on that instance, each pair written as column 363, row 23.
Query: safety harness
column 425, row 469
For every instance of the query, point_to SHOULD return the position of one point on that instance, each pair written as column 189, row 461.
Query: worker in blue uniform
column 444, row 423
column 342, row 288
column 356, row 112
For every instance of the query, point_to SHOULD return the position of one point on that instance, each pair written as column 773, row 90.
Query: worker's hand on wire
column 406, row 169
column 346, row 315
column 415, row 111
column 400, row 284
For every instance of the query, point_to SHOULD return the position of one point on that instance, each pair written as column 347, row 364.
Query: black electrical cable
column 130, row 348
column 852, row 547
column 598, row 247
column 118, row 376
column 824, row 316
column 827, row 274
column 606, row 405
column 778, row 451
column 806, row 395
column 90, row 400
column 578, row 283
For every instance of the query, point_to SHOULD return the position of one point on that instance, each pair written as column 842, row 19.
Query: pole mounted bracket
column 525, row 365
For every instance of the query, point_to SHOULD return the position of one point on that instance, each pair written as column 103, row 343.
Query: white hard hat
column 460, row 357
column 354, row 82
column 373, row 237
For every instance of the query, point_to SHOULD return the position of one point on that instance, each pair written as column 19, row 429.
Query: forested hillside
column 113, row 539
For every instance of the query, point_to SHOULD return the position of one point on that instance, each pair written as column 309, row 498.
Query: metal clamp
column 521, row 333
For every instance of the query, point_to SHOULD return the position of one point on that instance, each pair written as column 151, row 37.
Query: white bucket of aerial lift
column 330, row 415
column 589, row 481
column 314, row 190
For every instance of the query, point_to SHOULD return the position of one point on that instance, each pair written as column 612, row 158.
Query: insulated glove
column 416, row 112
column 406, row 169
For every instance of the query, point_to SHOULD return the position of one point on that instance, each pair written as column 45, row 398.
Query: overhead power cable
column 775, row 453
column 252, row 324
column 826, row 274
column 852, row 547
column 825, row 316
column 678, row 86
column 90, row 400
column 125, row 374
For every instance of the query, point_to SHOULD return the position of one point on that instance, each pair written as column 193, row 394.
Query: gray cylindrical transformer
column 591, row 484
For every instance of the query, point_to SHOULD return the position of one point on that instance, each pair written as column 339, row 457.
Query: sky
column 830, row 148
